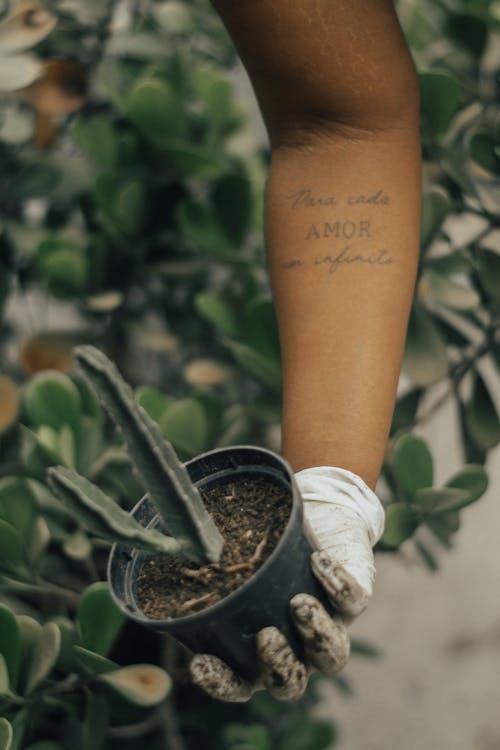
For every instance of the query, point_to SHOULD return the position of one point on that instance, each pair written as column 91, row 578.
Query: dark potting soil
column 251, row 514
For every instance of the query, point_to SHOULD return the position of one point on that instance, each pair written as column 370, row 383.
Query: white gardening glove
column 344, row 519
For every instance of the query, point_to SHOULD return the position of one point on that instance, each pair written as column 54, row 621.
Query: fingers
column 218, row 680
column 348, row 596
column 282, row 673
column 325, row 639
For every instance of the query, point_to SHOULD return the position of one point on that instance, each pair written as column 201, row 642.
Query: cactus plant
column 164, row 477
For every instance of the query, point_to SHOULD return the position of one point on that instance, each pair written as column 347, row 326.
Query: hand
column 343, row 519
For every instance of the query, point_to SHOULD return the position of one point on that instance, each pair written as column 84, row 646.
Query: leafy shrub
column 130, row 205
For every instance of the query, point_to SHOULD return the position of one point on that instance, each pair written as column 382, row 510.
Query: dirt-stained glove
column 344, row 519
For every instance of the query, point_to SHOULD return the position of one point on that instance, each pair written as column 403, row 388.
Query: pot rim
column 138, row 615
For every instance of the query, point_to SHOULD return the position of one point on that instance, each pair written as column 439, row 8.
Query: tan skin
column 339, row 96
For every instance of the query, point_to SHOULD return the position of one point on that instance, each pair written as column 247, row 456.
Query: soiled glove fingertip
column 214, row 677
column 325, row 638
column 282, row 673
column 345, row 592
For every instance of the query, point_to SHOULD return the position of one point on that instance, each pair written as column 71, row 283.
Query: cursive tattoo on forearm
column 341, row 234
column 345, row 257
column 307, row 198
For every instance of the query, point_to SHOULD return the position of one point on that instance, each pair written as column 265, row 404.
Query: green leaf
column 66, row 660
column 165, row 478
column 197, row 225
column 39, row 651
column 77, row 546
column 10, row 642
column 488, row 267
column 452, row 333
column 454, row 294
column 484, row 150
column 65, row 266
column 261, row 326
column 425, row 359
column 192, row 160
column 419, row 28
column 232, row 202
column 39, row 541
column 5, row 734
column 247, row 737
column 17, row 124
column 214, row 309
column 365, row 649
column 18, row 71
column 468, row 31
column 432, row 500
column 405, row 410
column 472, row 478
column 263, row 367
column 18, row 506
column 99, row 619
column 12, row 553
column 35, row 455
column 481, row 416
column 93, row 663
column 440, row 97
column 304, row 733
column 101, row 515
column 413, row 464
column 472, row 452
column 218, row 97
column 400, row 522
column 19, row 722
column 66, row 444
column 52, row 399
column 455, row 263
column 443, row 526
column 20, row 33
column 4, row 678
column 96, row 721
column 143, row 685
column 96, row 137
column 129, row 207
column 153, row 401
column 156, row 110
column 435, row 207
column 185, row 424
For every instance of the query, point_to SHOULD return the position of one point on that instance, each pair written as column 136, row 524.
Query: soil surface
column 250, row 513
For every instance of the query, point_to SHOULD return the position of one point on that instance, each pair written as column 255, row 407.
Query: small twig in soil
column 201, row 573
column 199, row 600
column 252, row 560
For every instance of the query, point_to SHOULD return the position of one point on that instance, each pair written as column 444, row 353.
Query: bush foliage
column 130, row 200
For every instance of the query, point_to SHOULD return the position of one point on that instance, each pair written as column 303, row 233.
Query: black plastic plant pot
column 227, row 628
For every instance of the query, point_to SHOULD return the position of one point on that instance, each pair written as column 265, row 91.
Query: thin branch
column 457, row 373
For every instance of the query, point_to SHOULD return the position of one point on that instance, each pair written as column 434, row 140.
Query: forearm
column 339, row 95
column 342, row 227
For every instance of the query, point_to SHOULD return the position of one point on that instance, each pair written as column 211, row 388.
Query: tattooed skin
column 345, row 236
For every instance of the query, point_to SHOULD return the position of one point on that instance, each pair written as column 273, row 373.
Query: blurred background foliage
column 131, row 187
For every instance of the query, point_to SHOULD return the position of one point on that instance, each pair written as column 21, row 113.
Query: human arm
column 339, row 96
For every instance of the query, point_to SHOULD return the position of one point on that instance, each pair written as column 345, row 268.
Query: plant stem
column 457, row 374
